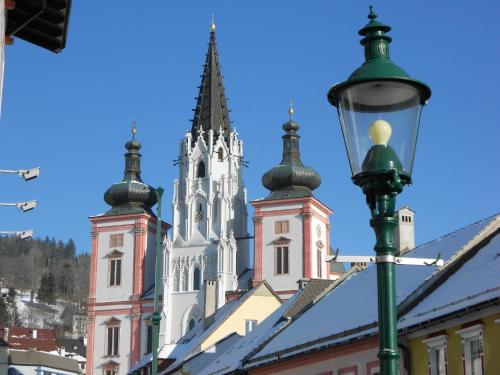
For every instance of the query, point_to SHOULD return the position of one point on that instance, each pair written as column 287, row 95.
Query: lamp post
column 379, row 108
column 156, row 318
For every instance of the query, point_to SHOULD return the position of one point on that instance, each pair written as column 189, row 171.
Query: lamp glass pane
column 397, row 103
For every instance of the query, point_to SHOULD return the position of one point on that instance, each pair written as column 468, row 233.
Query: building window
column 196, row 279
column 250, row 325
column 115, row 272
column 281, row 227
column 472, row 349
column 438, row 361
column 110, row 372
column 201, row 169
column 319, row 261
column 112, row 340
column 220, row 154
column 116, row 240
column 282, row 261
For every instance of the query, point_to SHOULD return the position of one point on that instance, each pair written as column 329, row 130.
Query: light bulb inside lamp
column 380, row 132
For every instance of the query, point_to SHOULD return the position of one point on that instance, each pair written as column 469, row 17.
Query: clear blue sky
column 71, row 113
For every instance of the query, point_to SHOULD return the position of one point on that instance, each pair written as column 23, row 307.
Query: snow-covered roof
column 477, row 281
column 232, row 358
column 193, row 340
column 350, row 309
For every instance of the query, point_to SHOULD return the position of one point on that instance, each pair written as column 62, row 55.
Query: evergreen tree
column 47, row 290
column 69, row 249
column 4, row 314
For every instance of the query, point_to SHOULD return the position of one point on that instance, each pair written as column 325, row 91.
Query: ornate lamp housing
column 379, row 109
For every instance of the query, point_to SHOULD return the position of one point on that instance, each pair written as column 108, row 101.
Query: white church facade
column 209, row 240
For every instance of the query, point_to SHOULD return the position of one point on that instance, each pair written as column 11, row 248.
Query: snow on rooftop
column 353, row 303
column 230, row 360
column 478, row 280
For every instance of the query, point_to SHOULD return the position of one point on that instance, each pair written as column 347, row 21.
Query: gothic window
column 196, row 279
column 191, row 325
column 185, row 278
column 220, row 154
column 282, row 261
column 176, row 283
column 199, row 213
column 200, row 170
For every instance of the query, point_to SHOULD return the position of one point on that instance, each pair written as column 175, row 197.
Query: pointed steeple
column 211, row 110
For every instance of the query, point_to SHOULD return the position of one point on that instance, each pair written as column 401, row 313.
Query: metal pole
column 156, row 310
column 383, row 223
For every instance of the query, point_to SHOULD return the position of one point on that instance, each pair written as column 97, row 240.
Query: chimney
column 34, row 334
column 404, row 234
column 210, row 302
column 6, row 334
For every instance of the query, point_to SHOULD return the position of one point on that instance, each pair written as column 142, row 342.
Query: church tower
column 209, row 237
column 291, row 227
column 122, row 269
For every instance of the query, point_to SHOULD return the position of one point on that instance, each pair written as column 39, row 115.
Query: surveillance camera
column 25, row 234
column 27, row 206
column 30, row 174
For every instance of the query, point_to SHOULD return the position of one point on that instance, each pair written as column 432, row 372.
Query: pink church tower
column 122, row 273
column 291, row 226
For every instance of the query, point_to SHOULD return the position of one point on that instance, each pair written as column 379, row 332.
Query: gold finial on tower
column 134, row 128
column 290, row 109
column 212, row 24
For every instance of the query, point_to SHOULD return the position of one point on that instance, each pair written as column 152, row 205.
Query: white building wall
column 295, row 251
column 123, row 348
column 104, row 292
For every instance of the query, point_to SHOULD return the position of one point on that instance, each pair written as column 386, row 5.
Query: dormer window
column 200, row 170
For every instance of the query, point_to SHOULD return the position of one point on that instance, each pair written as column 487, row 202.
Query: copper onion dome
column 291, row 179
column 131, row 195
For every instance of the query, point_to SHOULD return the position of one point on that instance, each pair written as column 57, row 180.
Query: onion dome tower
column 131, row 195
column 291, row 179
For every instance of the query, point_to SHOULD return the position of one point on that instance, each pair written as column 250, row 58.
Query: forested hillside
column 49, row 271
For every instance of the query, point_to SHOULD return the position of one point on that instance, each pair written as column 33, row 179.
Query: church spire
column 211, row 110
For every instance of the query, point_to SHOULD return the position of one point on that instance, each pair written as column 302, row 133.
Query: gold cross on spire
column 212, row 24
column 290, row 109
column 134, row 128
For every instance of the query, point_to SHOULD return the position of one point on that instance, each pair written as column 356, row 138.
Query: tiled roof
column 23, row 339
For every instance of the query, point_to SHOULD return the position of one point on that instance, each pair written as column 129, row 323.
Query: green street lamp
column 156, row 318
column 379, row 108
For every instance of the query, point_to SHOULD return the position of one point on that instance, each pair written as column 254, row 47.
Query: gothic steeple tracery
column 211, row 110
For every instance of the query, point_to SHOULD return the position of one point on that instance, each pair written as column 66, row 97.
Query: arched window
column 220, row 154
column 185, row 280
column 191, row 324
column 201, row 169
column 196, row 279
